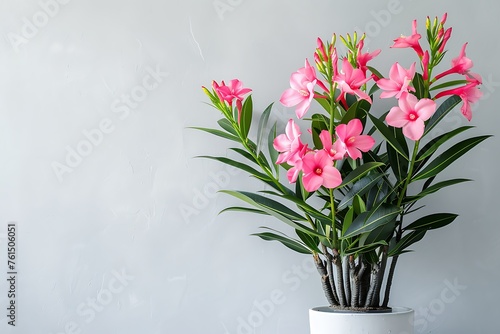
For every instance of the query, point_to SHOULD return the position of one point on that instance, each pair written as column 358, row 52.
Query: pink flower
column 288, row 144
column 398, row 82
column 296, row 162
column 234, row 90
column 319, row 171
column 446, row 37
column 469, row 93
column 231, row 92
column 425, row 66
column 335, row 151
column 411, row 115
column 301, row 92
column 351, row 141
column 410, row 41
column 460, row 64
column 350, row 81
column 364, row 58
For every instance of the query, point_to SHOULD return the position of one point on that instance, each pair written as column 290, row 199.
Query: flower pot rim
column 392, row 310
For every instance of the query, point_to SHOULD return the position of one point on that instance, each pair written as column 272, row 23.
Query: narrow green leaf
column 246, row 116
column 218, row 133
column 242, row 209
column 432, row 189
column 290, row 243
column 360, row 172
column 434, row 144
column 360, row 188
column 264, row 205
column 433, row 221
column 449, row 84
column 273, row 154
column 398, row 163
column 368, row 221
column 442, row 111
column 318, row 124
column 365, row 248
column 226, row 125
column 418, row 84
column 449, row 156
column 358, row 110
column 387, row 134
column 405, row 242
column 264, row 118
column 239, row 165
column 311, row 242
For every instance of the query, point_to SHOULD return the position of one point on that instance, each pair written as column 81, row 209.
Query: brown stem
column 337, row 260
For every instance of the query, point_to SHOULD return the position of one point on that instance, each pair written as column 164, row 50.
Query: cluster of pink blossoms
column 318, row 165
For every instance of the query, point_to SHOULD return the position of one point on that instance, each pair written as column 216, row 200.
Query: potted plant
column 349, row 186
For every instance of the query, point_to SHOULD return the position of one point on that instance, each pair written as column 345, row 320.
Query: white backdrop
column 117, row 225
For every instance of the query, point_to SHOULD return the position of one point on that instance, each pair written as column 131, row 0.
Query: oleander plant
column 346, row 177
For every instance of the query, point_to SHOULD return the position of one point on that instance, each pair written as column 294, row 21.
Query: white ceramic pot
column 324, row 320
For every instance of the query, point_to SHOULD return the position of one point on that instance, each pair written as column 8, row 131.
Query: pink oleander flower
column 459, row 65
column 425, row 66
column 364, row 58
column 335, row 151
column 410, row 41
column 469, row 94
column 233, row 91
column 301, row 92
column 288, row 143
column 319, row 171
column 350, row 80
column 410, row 114
column 398, row 82
column 350, row 141
column 446, row 37
column 293, row 173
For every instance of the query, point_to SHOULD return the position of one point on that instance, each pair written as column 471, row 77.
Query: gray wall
column 126, row 238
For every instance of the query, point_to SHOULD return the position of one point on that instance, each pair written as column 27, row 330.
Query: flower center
column 351, row 140
column 412, row 116
column 304, row 92
column 318, row 171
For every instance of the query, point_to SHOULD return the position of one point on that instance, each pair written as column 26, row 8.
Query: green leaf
column 405, row 242
column 242, row 209
column 388, row 135
column 360, row 188
column 418, row 84
column 432, row 189
column 239, row 165
column 273, row 154
column 448, row 157
column 310, row 241
column 272, row 208
column 434, row 144
column 226, row 125
column 433, row 221
column 368, row 221
column 218, row 133
column 365, row 248
column 288, row 242
column 398, row 163
column 246, row 116
column 442, row 111
column 359, row 172
column 264, row 118
column 449, row 84
column 358, row 110
column 324, row 103
column 347, row 221
column 318, row 124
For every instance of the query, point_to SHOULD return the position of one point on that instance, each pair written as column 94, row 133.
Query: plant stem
column 327, row 288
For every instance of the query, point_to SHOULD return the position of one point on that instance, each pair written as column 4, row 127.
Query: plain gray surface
column 126, row 239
